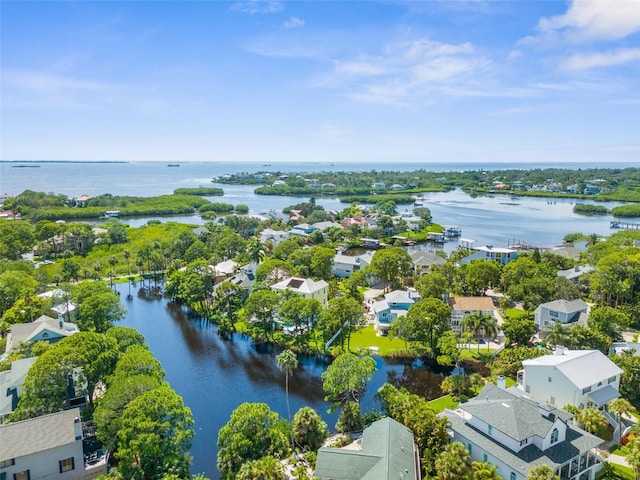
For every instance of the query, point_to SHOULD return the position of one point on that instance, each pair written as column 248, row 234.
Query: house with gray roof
column 44, row 328
column 304, row 287
column 386, row 451
column 563, row 311
column 344, row 265
column 574, row 274
column 395, row 304
column 423, row 261
column 584, row 378
column 49, row 446
column 516, row 433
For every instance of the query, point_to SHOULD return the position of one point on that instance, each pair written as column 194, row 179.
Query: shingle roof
column 38, row 434
column 421, row 257
column 23, row 332
column 302, row 285
column 583, row 368
column 471, row 303
column 398, row 296
column 387, row 452
column 566, row 306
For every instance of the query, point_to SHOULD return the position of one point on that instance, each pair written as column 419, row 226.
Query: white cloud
column 294, row 22
column 44, row 82
column 592, row 20
column 586, row 60
column 257, row 6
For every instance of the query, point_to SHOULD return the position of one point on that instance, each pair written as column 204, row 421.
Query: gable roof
column 424, row 258
column 386, row 452
column 471, row 303
column 583, row 368
column 13, row 380
column 300, row 285
column 566, row 306
column 24, row 332
column 38, row 434
column 346, row 259
column 398, row 296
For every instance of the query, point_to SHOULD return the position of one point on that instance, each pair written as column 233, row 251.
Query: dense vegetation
column 200, row 191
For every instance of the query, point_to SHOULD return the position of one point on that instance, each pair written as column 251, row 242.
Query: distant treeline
column 200, row 191
column 621, row 211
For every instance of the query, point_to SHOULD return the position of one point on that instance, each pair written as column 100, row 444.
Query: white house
column 423, row 261
column 462, row 307
column 584, row 378
column 49, row 446
column 344, row 265
column 395, row 304
column 274, row 236
column 304, row 287
column 489, row 252
column 563, row 311
column 11, row 383
column 516, row 434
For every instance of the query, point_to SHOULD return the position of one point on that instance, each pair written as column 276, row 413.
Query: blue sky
column 330, row 81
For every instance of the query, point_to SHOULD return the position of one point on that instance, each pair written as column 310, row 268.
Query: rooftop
column 471, row 303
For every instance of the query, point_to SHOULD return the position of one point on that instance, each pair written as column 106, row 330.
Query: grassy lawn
column 516, row 313
column 620, row 472
column 439, row 404
column 366, row 337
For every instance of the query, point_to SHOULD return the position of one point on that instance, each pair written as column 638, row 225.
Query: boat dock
column 624, row 225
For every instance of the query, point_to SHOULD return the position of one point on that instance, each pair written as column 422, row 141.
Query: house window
column 549, row 379
column 512, row 476
column 7, row 463
column 3, row 476
column 612, row 379
column 470, row 448
column 586, row 390
column 490, row 431
column 24, row 475
column 553, row 314
column 554, row 435
column 485, row 457
column 524, row 442
column 66, row 465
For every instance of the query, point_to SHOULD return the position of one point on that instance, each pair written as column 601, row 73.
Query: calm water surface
column 214, row 376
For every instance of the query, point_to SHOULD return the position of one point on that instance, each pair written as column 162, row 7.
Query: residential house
column 11, row 384
column 245, row 278
column 396, row 186
column 273, row 236
column 379, row 186
column 49, row 446
column 516, row 434
column 323, row 226
column 302, row 230
column 462, row 307
column 575, row 274
column 395, row 304
column 413, row 221
column 584, row 378
column 344, row 265
column 423, row 261
column 563, row 311
column 618, row 348
column 386, row 451
column 44, row 328
column 304, row 287
column 489, row 252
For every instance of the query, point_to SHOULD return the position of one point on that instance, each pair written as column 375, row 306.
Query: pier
column 624, row 225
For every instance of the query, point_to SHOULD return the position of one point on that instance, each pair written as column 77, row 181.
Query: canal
column 214, row 376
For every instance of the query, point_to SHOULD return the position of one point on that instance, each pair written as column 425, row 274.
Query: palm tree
column 288, row 362
column 479, row 322
column 451, row 464
column 484, row 471
column 592, row 420
column 256, row 251
column 633, row 457
column 542, row 472
column 556, row 334
column 620, row 406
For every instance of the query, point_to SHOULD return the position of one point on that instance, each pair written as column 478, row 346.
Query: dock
column 624, row 225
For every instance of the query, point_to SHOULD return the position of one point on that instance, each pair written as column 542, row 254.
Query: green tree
column 346, row 378
column 455, row 385
column 432, row 285
column 448, row 348
column 480, row 323
column 99, row 306
column 633, row 457
column 309, row 430
column 253, row 431
column 630, row 365
column 155, row 435
column 265, row 468
column 321, row 262
column 518, row 330
column 272, row 270
column 137, row 360
column 391, row 265
column 481, row 275
column 556, row 334
column 350, row 419
column 125, row 337
column 260, row 308
column 344, row 313
column 619, row 407
column 228, row 301
column 16, row 238
column 542, row 472
column 609, row 321
column 288, row 362
column 592, row 420
column 484, row 471
column 452, row 464
column 15, row 284
column 427, row 320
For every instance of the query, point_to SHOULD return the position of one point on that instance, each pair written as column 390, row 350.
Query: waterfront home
column 385, row 451
column 379, row 186
column 273, row 236
column 516, row 434
column 304, row 287
column 49, row 446
column 81, row 200
column 489, row 252
column 618, row 348
column 11, row 384
column 413, row 221
column 395, row 304
column 396, row 187
column 462, row 307
column 244, row 278
column 323, row 226
column 423, row 261
column 563, row 311
column 44, row 328
column 302, row 230
column 584, row 378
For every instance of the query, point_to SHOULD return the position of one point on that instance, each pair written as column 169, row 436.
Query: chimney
column 502, row 382
column 560, row 350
